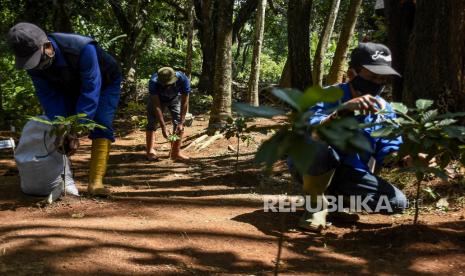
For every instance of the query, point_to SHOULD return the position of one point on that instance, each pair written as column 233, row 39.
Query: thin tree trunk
column 298, row 30
column 257, row 49
column 336, row 71
column 190, row 37
column 435, row 65
column 245, row 53
column 319, row 59
column 285, row 79
column 132, row 19
column 221, row 108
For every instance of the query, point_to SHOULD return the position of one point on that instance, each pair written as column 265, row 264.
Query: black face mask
column 45, row 62
column 366, row 87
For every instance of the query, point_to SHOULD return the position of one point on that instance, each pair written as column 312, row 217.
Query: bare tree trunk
column 436, row 59
column 61, row 18
column 318, row 60
column 208, row 43
column 190, row 37
column 245, row 53
column 337, row 67
column 400, row 15
column 221, row 108
column 298, row 30
column 257, row 49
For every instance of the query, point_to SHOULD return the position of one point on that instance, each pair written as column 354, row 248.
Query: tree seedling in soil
column 430, row 140
column 172, row 138
column 62, row 127
column 237, row 128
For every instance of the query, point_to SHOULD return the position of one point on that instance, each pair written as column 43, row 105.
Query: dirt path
column 202, row 218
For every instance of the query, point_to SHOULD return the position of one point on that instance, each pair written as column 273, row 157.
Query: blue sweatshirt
column 166, row 94
column 381, row 146
column 55, row 103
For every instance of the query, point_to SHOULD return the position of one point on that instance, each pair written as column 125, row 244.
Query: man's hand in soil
column 179, row 129
column 164, row 132
column 365, row 104
column 67, row 145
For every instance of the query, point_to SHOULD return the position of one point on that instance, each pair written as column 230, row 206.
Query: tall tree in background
column 132, row 18
column 206, row 11
column 190, row 37
column 51, row 15
column 299, row 67
column 318, row 60
column 400, row 16
column 257, row 49
column 221, row 108
column 436, row 59
column 337, row 66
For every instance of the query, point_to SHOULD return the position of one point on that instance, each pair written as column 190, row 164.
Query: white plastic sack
column 40, row 165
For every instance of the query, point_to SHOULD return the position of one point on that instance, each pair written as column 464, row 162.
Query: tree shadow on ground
column 386, row 250
column 372, row 248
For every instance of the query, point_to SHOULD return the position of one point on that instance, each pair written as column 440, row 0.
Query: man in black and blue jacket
column 346, row 174
column 72, row 74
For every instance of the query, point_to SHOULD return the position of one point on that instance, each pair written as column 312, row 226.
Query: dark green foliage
column 290, row 138
column 431, row 140
column 75, row 124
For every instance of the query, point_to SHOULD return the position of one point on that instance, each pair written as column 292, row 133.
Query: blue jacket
column 166, row 94
column 381, row 147
column 68, row 86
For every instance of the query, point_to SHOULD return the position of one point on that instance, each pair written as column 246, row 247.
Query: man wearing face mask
column 72, row 74
column 340, row 173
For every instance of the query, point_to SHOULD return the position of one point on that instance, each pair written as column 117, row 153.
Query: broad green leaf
column 40, row 120
column 360, row 144
column 423, row 104
column 429, row 115
column 270, row 150
column 290, row 96
column 302, row 153
column 316, row 94
column 247, row 110
column 399, row 107
column 413, row 138
column 451, row 115
column 455, row 132
column 383, row 132
column 446, row 122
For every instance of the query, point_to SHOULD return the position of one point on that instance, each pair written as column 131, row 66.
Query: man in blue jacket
column 340, row 173
column 72, row 74
column 168, row 89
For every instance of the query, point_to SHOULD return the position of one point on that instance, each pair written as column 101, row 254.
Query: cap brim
column 30, row 61
column 382, row 70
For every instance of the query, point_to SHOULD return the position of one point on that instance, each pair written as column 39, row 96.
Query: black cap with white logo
column 26, row 40
column 374, row 57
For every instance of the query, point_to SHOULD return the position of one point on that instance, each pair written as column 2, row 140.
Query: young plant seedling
column 75, row 125
column 427, row 137
column 172, row 138
column 237, row 128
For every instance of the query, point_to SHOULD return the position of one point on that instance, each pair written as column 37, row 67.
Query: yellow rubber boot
column 315, row 186
column 98, row 166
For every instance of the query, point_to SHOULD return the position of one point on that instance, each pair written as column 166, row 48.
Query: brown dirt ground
column 202, row 218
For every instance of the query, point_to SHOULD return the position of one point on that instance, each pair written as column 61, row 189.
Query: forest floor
column 201, row 217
